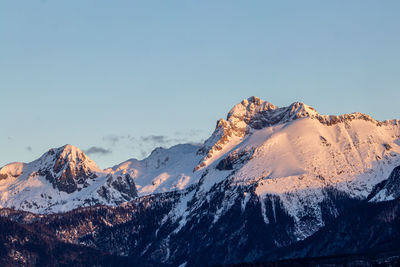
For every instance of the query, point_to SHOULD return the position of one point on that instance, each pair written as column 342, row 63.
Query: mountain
column 60, row 180
column 290, row 157
column 266, row 179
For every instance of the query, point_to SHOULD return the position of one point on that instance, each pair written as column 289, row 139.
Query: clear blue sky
column 127, row 76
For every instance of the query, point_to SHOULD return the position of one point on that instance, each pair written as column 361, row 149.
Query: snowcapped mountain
column 297, row 154
column 292, row 156
column 266, row 178
column 292, row 152
column 60, row 180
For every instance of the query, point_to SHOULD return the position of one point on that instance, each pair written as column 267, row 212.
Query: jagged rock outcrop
column 388, row 189
column 68, row 168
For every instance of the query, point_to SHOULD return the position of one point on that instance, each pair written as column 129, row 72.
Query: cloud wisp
column 97, row 150
column 144, row 144
column 161, row 140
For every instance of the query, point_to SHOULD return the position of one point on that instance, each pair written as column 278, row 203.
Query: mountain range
column 270, row 184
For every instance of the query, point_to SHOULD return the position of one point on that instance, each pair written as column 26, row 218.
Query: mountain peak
column 66, row 150
column 247, row 108
column 61, row 179
column 67, row 167
column 300, row 110
column 69, row 147
column 254, row 114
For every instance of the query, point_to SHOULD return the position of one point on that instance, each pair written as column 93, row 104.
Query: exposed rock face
column 239, row 121
column 388, row 189
column 123, row 184
column 69, row 169
column 234, row 158
column 250, row 112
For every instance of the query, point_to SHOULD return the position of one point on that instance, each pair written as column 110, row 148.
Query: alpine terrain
column 270, row 184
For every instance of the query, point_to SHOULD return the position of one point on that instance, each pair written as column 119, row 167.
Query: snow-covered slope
column 60, row 180
column 164, row 170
